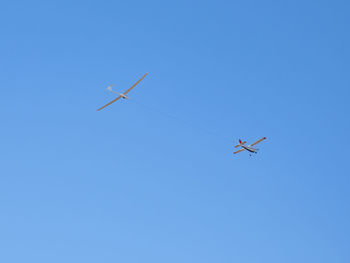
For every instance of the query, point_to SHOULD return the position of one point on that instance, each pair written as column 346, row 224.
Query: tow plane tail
column 240, row 143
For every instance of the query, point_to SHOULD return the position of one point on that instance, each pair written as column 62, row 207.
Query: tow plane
column 121, row 95
column 249, row 148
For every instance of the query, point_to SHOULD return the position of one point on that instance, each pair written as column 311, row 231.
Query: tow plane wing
column 241, row 150
column 258, row 141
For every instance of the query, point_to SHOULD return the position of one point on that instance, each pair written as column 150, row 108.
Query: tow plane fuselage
column 248, row 148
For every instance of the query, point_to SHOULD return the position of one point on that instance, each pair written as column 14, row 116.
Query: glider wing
column 109, row 103
column 133, row 86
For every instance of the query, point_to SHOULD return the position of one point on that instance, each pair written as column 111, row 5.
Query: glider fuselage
column 121, row 95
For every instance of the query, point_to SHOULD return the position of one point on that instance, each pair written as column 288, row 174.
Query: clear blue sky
column 130, row 184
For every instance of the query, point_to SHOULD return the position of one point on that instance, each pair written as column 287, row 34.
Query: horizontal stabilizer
column 240, row 144
column 110, row 87
column 111, row 90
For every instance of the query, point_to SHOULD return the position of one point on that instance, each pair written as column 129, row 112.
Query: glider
column 249, row 148
column 121, row 95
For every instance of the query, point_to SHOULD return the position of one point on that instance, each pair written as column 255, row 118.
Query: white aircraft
column 249, row 148
column 121, row 95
